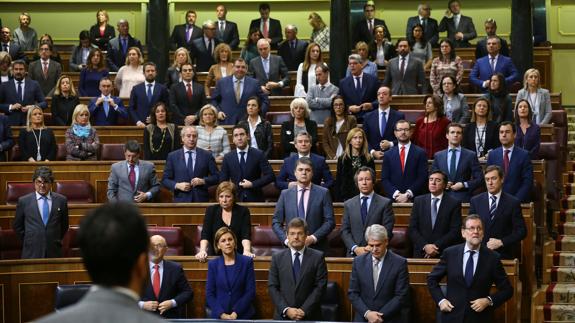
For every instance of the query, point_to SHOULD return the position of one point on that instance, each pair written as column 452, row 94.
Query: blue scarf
column 81, row 131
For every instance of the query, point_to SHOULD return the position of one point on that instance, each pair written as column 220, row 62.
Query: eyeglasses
column 41, row 183
column 472, row 229
column 402, row 130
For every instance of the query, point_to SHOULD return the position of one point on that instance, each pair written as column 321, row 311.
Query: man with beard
column 145, row 95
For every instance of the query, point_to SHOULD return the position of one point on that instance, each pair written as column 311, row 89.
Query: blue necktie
column 296, row 267
column 364, row 209
column 434, row 201
column 124, row 46
column 190, row 164
column 242, row 163
column 469, row 269
column 106, row 106
column 383, row 124
column 300, row 208
column 493, row 207
column 19, row 92
column 45, row 210
column 452, row 165
column 358, row 83
column 149, row 93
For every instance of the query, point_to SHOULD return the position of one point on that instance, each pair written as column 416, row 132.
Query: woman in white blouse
column 130, row 74
column 306, row 70
column 538, row 98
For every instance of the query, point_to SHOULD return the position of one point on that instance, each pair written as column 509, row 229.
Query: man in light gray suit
column 41, row 219
column 297, row 277
column 45, row 71
column 307, row 201
column 133, row 179
column 363, row 210
column 405, row 75
column 117, row 262
column 270, row 70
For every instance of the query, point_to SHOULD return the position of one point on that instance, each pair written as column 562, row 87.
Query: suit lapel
column 288, row 266
column 385, row 268
column 427, row 211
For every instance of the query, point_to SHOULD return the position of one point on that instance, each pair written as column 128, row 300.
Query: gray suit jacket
column 54, row 72
column 39, row 241
column 352, row 228
column 413, row 80
column 103, row 305
column 119, row 187
column 278, row 71
column 305, row 293
column 542, row 112
column 465, row 26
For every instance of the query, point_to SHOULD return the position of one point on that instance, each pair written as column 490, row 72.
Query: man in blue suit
column 145, row 95
column 232, row 92
column 308, row 201
column 19, row 95
column 460, row 164
column 404, row 170
column 246, row 167
column 493, row 63
column 106, row 109
column 380, row 123
column 359, row 89
column 515, row 162
column 379, row 282
column 321, row 174
column 168, row 291
column 191, row 170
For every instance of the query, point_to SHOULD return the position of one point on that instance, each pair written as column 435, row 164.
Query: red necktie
column 265, row 29
column 506, row 161
column 156, row 281
column 402, row 158
column 45, row 69
column 132, row 177
column 189, row 91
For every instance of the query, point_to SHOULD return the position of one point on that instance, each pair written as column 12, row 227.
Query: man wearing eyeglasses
column 41, row 219
column 187, row 97
column 423, row 18
column 202, row 48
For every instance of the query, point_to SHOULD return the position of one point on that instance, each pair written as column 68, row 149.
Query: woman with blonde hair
column 223, row 67
column 211, row 136
column 82, row 141
column 101, row 32
column 300, row 122
column 355, row 156
column 64, row 101
column 37, row 142
column 368, row 66
column 5, row 67
column 181, row 56
column 538, row 97
column 305, row 76
column 320, row 33
column 130, row 74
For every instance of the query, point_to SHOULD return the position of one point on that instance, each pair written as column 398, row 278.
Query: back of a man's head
column 112, row 238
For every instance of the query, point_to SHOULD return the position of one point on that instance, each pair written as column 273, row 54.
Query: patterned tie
column 296, row 266
column 265, row 29
column 371, row 26
column 189, row 91
column 364, row 209
column 375, row 273
column 156, row 281
column 493, row 207
column 45, row 69
column 402, row 158
column 222, row 29
column 189, row 33
column 434, row 202
column 402, row 67
column 149, row 92
column 132, row 177
column 506, row 161
column 452, row 164
column 238, row 91
column 493, row 63
column 300, row 208
column 383, row 124
column 469, row 269
column 45, row 210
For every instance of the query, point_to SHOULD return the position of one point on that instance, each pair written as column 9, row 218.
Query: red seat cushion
column 15, row 190
column 77, row 191
column 174, row 239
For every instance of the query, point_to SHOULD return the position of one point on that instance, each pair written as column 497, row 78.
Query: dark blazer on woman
column 62, row 109
column 530, row 140
column 28, row 146
column 240, row 224
column 491, row 137
column 263, row 134
column 344, row 178
column 331, row 139
column 164, row 143
column 388, row 49
column 101, row 41
column 225, row 294
column 287, row 136
column 501, row 107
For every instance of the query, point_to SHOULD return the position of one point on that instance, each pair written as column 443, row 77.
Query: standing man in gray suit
column 117, row 262
column 307, row 201
column 270, row 70
column 45, row 71
column 41, row 219
column 133, row 179
column 405, row 75
column 297, row 277
column 363, row 210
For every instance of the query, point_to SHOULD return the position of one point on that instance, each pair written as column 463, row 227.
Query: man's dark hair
column 437, row 171
column 496, row 168
column 364, row 169
column 304, row 161
column 20, row 62
column 507, row 123
column 44, row 173
column 453, row 125
column 471, row 217
column 297, row 223
column 146, row 64
column 132, row 146
column 264, row 6
column 241, row 126
column 112, row 238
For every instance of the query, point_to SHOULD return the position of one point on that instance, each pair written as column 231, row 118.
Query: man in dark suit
column 460, row 164
column 106, row 109
column 232, row 93
column 118, row 46
column 363, row 30
column 168, row 291
column 321, row 174
column 501, row 213
column 297, row 277
column 469, row 297
column 380, row 123
column 182, row 35
column 132, row 180
column 487, row 66
column 202, row 48
column 191, row 170
column 19, row 95
column 227, row 30
column 405, row 75
column 515, row 162
column 6, row 140
column 363, row 210
column 246, row 167
column 186, row 97
column 430, row 27
column 270, row 70
column 271, row 28
column 490, row 30
column 9, row 46
column 404, row 167
column 307, row 201
column 145, row 95
column 460, row 29
column 45, row 71
column 359, row 90
column 379, row 282
column 435, row 219
column 41, row 219
column 292, row 50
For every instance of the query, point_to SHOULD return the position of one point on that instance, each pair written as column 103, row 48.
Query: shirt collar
column 466, row 249
column 458, row 148
column 152, row 264
column 381, row 259
column 370, row 195
column 153, row 83
column 39, row 196
column 299, row 187
column 440, row 196
column 386, row 110
column 244, row 150
column 498, row 195
column 192, row 150
column 234, row 78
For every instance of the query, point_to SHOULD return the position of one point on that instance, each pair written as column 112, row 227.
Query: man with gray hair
column 118, row 46
column 490, row 30
column 423, row 18
column 202, row 49
column 379, row 282
column 359, row 89
column 292, row 49
column 270, row 70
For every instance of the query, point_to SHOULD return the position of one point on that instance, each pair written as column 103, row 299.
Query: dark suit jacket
column 115, row 56
column 15, row 51
column 6, row 141
column 287, row 136
column 371, row 127
column 465, row 26
column 140, row 107
column 320, row 172
column 481, row 48
column 413, row 80
column 507, row 224
column 489, row 270
column 257, row 170
column 224, row 98
column 305, row 293
column 431, row 32
column 278, row 71
column 98, row 116
column 202, row 57
column 274, row 30
column 46, row 84
column 180, row 106
column 293, row 57
column 230, row 35
column 369, row 86
column 491, row 137
column 519, row 181
column 319, row 214
column 362, row 33
column 446, row 231
column 482, row 71
column 28, row 145
column 8, row 95
column 391, row 294
column 226, row 296
column 176, row 171
column 352, row 228
column 39, row 241
column 101, row 41
column 414, row 176
column 178, row 37
column 468, row 171
column 174, row 286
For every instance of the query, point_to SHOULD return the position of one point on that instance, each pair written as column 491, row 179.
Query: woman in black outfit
column 37, row 143
column 355, row 156
column 481, row 134
column 102, row 32
column 260, row 129
column 499, row 99
column 160, row 136
column 64, row 101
